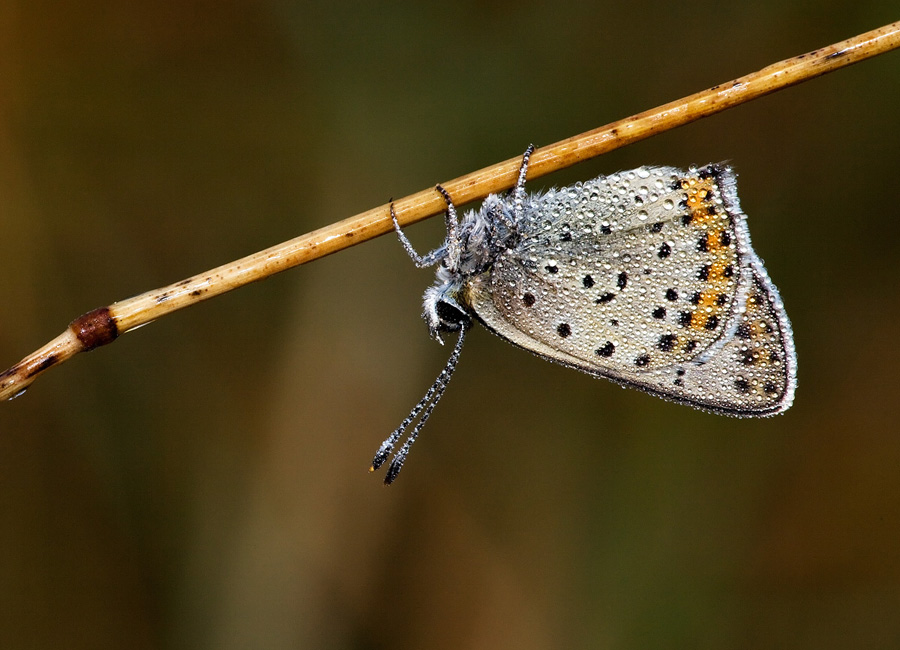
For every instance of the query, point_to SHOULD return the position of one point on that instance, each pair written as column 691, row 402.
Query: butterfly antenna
column 439, row 384
column 425, row 407
column 384, row 451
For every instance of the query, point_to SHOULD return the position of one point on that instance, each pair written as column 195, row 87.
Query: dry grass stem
column 103, row 325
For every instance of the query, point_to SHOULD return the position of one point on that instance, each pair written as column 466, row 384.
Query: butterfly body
column 645, row 277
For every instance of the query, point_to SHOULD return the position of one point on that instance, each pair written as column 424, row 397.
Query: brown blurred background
column 202, row 483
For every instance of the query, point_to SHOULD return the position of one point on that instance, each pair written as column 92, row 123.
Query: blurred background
column 202, row 483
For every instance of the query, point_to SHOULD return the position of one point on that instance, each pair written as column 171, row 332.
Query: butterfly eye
column 451, row 317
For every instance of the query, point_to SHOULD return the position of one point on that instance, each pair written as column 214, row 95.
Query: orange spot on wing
column 700, row 200
column 714, row 241
column 706, row 307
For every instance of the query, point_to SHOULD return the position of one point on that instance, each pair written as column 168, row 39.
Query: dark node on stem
column 95, row 328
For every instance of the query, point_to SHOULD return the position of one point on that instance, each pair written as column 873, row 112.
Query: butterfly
column 645, row 277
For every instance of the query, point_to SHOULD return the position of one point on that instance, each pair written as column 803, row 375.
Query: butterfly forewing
column 646, row 277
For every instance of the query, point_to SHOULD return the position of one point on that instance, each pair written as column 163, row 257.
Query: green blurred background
column 202, row 483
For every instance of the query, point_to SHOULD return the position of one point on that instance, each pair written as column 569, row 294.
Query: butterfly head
column 442, row 311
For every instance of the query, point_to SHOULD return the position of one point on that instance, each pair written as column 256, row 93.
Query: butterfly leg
column 518, row 193
column 421, row 261
column 519, row 196
column 454, row 250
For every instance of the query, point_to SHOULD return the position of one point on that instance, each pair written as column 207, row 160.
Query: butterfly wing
column 648, row 278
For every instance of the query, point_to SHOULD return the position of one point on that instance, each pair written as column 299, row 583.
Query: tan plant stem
column 103, row 325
